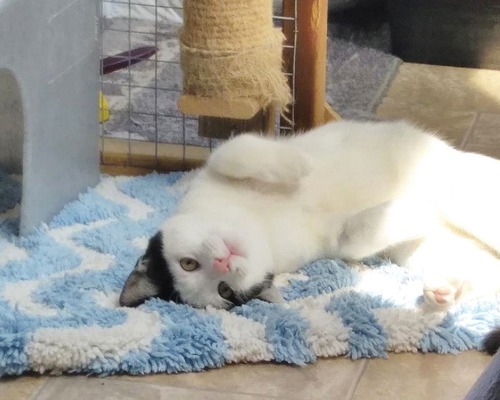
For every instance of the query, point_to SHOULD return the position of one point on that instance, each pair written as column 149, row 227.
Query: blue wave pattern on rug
column 59, row 291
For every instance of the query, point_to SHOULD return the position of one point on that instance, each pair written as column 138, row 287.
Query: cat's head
column 204, row 261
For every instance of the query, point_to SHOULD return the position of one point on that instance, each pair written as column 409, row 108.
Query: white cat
column 348, row 190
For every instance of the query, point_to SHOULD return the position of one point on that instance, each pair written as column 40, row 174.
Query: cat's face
column 203, row 261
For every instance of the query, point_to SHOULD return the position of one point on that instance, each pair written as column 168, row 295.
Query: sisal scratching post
column 231, row 58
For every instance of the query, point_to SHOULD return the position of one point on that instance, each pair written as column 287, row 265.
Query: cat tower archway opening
column 11, row 123
column 146, row 129
column 48, row 104
column 11, row 145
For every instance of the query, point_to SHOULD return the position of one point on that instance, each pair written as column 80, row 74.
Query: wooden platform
column 136, row 156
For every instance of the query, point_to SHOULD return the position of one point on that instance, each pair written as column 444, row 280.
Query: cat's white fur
column 346, row 189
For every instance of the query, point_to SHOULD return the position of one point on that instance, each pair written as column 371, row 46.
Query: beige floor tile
column 492, row 151
column 421, row 376
column 452, row 126
column 322, row 380
column 486, row 130
column 81, row 388
column 447, row 88
column 22, row 388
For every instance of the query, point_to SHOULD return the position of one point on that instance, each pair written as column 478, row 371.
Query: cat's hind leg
column 408, row 232
column 252, row 157
column 375, row 229
column 452, row 266
column 470, row 196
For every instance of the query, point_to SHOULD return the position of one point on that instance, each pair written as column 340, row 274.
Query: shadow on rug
column 59, row 291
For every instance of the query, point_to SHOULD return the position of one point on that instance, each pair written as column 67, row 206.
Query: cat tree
column 49, row 75
column 232, row 32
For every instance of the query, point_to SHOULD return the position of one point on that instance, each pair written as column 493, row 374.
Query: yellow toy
column 103, row 108
column 116, row 62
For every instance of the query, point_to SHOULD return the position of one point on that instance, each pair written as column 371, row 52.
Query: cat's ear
column 272, row 295
column 138, row 287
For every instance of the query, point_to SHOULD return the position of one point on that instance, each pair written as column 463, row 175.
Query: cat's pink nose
column 221, row 265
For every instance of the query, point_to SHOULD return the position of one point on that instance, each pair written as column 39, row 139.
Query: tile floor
column 463, row 105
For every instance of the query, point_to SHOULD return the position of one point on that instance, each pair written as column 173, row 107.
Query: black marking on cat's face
column 240, row 298
column 151, row 277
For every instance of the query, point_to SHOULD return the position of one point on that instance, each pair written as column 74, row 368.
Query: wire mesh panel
column 141, row 81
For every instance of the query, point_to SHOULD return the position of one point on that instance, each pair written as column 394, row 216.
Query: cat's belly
column 299, row 240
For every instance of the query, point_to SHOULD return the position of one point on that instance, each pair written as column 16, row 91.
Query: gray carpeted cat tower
column 49, row 75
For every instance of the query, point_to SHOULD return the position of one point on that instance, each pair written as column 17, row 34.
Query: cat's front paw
column 444, row 293
column 293, row 166
column 253, row 157
column 239, row 266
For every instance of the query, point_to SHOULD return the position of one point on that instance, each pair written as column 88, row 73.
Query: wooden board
column 310, row 66
column 224, row 128
column 148, row 155
column 330, row 114
column 209, row 107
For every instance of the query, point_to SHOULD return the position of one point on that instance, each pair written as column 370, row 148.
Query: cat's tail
column 491, row 343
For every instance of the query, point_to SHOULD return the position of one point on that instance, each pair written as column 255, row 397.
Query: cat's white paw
column 444, row 293
column 239, row 265
column 293, row 166
column 253, row 157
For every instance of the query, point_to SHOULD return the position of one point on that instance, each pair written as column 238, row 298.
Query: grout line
column 354, row 387
column 386, row 85
column 36, row 392
column 471, row 129
column 201, row 390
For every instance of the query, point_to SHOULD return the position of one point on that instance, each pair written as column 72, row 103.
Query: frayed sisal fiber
column 231, row 50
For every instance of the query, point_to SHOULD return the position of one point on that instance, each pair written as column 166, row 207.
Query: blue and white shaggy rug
column 59, row 292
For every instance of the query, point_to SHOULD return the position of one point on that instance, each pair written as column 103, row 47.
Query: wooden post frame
column 310, row 65
column 304, row 55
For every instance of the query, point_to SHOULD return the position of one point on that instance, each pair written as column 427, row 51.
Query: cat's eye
column 189, row 264
column 225, row 291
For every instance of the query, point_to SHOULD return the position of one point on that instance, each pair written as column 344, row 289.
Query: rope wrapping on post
column 231, row 50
